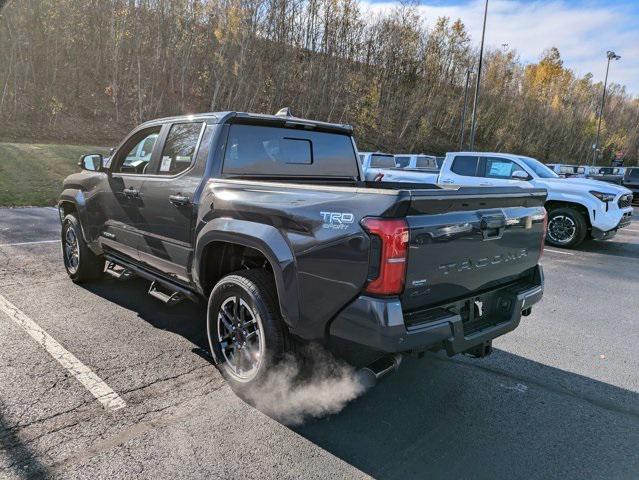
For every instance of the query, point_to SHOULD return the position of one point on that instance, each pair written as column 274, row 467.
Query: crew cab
column 577, row 207
column 269, row 219
column 399, row 168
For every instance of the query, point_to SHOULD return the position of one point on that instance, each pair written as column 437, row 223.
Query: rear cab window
column 465, row 165
column 382, row 161
column 261, row 150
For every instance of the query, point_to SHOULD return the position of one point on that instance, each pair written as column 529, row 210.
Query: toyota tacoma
column 269, row 218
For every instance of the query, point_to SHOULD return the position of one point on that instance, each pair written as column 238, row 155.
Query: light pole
column 481, row 57
column 611, row 56
column 463, row 118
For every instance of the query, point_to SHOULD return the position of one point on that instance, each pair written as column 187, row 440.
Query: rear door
column 170, row 196
column 464, row 170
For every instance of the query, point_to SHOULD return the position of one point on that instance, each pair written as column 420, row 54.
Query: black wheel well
column 68, row 208
column 221, row 258
column 555, row 204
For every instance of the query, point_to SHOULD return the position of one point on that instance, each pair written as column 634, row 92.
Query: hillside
column 32, row 174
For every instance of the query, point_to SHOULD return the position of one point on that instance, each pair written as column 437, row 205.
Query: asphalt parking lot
column 559, row 398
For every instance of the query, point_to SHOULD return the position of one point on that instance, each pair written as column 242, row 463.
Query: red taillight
column 543, row 235
column 393, row 235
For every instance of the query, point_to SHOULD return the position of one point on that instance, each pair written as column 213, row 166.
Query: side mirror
column 92, row 162
column 520, row 175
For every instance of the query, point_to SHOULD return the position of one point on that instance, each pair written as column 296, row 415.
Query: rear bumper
column 380, row 323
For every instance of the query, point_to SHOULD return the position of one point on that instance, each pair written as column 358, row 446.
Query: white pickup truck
column 577, row 207
column 399, row 168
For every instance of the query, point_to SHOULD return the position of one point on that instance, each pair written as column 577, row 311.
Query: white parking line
column 83, row 374
column 557, row 251
column 28, row 243
column 629, row 230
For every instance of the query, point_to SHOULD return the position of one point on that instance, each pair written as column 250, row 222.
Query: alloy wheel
column 71, row 250
column 241, row 338
column 562, row 229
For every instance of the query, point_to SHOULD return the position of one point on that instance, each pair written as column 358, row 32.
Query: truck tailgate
column 464, row 241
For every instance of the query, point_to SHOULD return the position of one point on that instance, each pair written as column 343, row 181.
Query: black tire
column 88, row 266
column 569, row 227
column 256, row 291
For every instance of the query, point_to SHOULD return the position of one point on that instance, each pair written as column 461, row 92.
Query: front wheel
column 245, row 329
column 79, row 261
column 567, row 227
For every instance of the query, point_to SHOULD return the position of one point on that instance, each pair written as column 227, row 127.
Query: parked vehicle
column 568, row 171
column 377, row 166
column 269, row 218
column 416, row 162
column 577, row 207
column 375, row 163
column 631, row 181
column 608, row 174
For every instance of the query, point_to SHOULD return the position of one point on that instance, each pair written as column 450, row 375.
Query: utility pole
column 595, row 148
column 481, row 58
column 463, row 118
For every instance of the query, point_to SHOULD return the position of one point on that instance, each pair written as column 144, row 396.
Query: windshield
column 541, row 170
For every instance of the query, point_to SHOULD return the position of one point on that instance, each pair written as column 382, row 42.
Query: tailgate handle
column 492, row 227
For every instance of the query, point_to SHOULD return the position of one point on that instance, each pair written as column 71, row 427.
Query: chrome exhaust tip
column 369, row 375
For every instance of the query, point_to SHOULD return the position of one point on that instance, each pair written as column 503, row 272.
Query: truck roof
column 247, row 117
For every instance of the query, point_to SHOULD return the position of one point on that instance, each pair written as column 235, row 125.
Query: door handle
column 131, row 192
column 179, row 199
column 492, row 227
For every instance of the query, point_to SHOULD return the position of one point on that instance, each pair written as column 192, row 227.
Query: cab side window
column 135, row 156
column 465, row 166
column 179, row 148
column 501, row 168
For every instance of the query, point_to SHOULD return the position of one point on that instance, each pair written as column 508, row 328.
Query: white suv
column 577, row 207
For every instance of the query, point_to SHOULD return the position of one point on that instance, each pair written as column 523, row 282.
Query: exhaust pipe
column 371, row 374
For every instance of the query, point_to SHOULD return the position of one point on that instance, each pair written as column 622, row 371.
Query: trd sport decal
column 337, row 220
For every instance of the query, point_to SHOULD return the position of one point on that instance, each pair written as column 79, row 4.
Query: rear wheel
column 567, row 227
column 246, row 332
column 79, row 261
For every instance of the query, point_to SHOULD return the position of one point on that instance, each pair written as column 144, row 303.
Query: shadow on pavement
column 502, row 417
column 22, row 460
column 187, row 319
column 615, row 247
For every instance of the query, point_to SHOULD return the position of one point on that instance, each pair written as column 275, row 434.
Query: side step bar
column 121, row 273
column 161, row 288
column 169, row 298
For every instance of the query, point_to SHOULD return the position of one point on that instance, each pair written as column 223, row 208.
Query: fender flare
column 268, row 241
column 76, row 198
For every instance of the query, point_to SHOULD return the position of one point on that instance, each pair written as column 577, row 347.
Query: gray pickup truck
column 269, row 218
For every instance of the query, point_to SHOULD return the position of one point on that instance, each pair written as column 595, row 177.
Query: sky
column 582, row 30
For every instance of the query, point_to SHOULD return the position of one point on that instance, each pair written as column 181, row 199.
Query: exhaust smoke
column 311, row 385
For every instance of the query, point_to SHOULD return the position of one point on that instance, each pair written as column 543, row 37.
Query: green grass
column 32, row 174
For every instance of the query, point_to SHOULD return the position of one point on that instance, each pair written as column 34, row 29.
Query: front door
column 123, row 200
column 498, row 172
column 169, row 191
